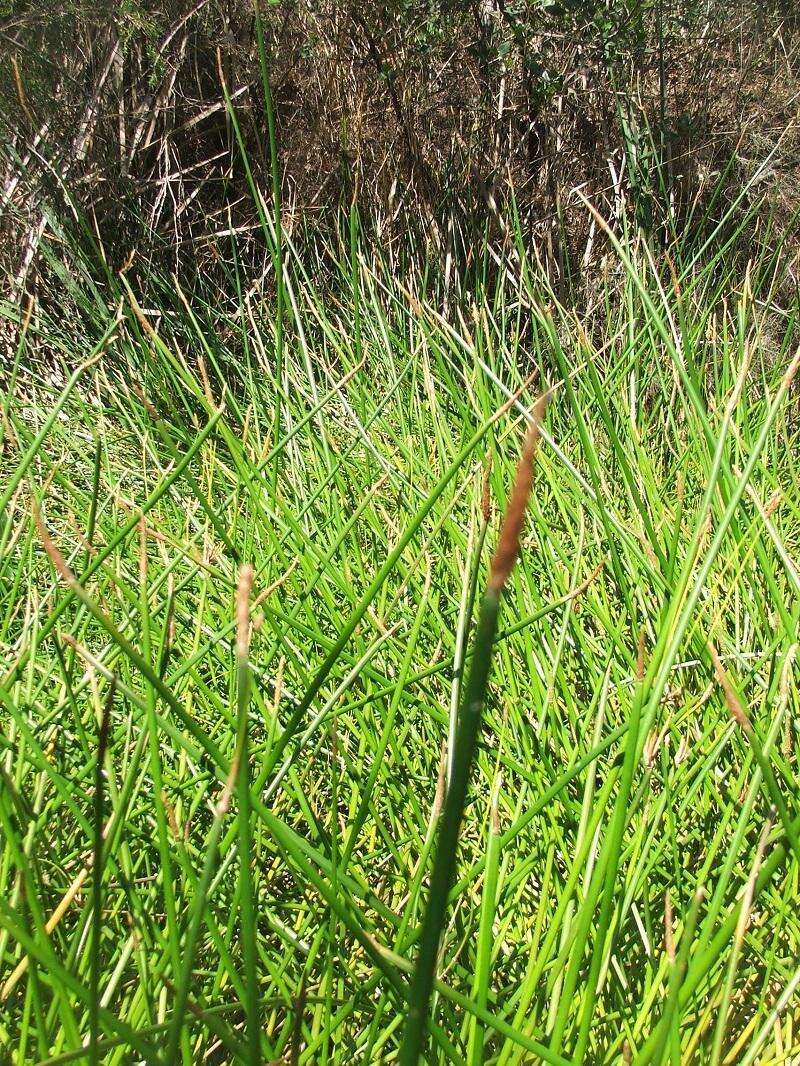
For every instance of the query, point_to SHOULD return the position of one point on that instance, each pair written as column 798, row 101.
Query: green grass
column 217, row 839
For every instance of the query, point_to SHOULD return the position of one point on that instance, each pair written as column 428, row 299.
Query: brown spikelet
column 580, row 589
column 201, row 363
column 791, row 370
column 415, row 305
column 676, row 285
column 141, row 317
column 650, row 749
column 267, row 592
column 438, row 799
column 172, row 818
column 55, row 556
column 19, row 85
column 223, row 803
column 750, row 887
column 148, row 406
column 732, row 700
column 220, row 71
column 72, row 893
column 495, row 809
column 529, row 380
column 773, row 503
column 243, row 610
column 508, row 544
column 85, row 544
column 26, row 321
column 682, row 752
column 128, row 263
column 333, row 734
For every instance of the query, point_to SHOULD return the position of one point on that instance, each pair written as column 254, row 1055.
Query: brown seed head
column 508, row 545
column 791, row 370
column 734, row 703
column 438, row 799
column 243, row 610
column 773, row 503
column 56, row 558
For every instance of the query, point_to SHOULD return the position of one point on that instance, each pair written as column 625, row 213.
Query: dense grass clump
column 242, row 558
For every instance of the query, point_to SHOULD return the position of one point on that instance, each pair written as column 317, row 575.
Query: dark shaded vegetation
column 437, row 117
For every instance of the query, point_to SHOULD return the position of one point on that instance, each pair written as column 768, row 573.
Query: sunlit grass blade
column 466, row 737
